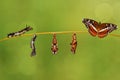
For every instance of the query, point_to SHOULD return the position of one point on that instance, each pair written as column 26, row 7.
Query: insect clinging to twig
column 18, row 33
column 32, row 45
column 54, row 47
column 73, row 43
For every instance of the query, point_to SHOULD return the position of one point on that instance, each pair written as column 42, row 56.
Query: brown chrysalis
column 73, row 43
column 54, row 47
column 18, row 33
column 32, row 45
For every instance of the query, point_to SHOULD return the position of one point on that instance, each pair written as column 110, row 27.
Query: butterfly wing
column 92, row 30
column 103, row 33
column 106, row 28
column 91, row 25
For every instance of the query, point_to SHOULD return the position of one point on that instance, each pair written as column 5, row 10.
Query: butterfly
column 99, row 29
column 73, row 43
column 54, row 47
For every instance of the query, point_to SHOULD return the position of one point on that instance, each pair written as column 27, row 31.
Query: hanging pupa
column 73, row 43
column 32, row 45
column 54, row 47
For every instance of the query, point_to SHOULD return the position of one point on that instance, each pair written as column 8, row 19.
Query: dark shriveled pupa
column 32, row 45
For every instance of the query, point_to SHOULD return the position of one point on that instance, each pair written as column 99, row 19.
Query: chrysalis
column 18, row 33
column 54, row 44
column 32, row 45
column 73, row 43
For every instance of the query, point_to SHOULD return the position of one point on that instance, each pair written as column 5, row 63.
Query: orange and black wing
column 91, row 25
column 106, row 28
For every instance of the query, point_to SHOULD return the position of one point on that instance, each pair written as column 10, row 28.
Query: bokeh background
column 95, row 58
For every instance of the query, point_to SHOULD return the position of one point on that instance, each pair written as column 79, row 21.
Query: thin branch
column 116, row 35
column 61, row 32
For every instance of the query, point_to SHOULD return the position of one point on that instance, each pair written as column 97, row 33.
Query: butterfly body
column 99, row 29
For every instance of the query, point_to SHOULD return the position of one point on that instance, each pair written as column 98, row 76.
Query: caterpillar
column 18, row 33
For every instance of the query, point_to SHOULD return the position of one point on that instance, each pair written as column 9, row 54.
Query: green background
column 95, row 58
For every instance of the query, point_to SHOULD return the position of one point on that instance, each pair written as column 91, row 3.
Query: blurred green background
column 95, row 58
